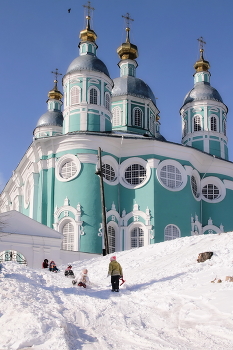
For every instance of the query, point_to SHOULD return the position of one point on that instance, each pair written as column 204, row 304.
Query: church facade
column 155, row 190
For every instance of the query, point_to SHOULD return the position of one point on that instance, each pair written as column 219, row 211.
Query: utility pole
column 99, row 172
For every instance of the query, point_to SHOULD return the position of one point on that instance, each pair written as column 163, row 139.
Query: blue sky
column 38, row 36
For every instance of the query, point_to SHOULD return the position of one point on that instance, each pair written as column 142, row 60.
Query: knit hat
column 113, row 258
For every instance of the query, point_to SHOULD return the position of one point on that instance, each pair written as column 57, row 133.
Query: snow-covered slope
column 167, row 302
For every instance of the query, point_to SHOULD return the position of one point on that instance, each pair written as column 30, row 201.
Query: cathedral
column 154, row 189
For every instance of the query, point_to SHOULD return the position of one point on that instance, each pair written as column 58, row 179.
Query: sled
column 122, row 281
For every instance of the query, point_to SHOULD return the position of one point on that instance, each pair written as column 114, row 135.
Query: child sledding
column 69, row 272
column 83, row 279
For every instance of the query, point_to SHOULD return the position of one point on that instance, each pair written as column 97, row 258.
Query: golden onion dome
column 55, row 94
column 87, row 34
column 201, row 65
column 127, row 50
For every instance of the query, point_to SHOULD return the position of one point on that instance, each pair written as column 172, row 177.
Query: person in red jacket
column 115, row 271
column 45, row 264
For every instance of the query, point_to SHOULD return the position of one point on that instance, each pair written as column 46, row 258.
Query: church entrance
column 12, row 255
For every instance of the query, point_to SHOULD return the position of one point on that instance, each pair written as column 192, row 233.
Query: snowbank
column 167, row 302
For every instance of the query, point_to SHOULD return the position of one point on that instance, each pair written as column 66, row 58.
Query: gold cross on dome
column 201, row 43
column 89, row 8
column 127, row 19
column 56, row 73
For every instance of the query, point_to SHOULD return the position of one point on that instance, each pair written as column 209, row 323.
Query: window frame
column 138, row 229
column 72, row 233
column 140, row 117
column 128, row 162
column 176, row 165
column 172, row 226
column 115, row 117
column 94, row 88
column 107, row 101
column 197, row 117
column 212, row 180
column 109, row 240
column 196, row 175
column 113, row 163
column 64, row 159
column 77, row 101
column 213, row 123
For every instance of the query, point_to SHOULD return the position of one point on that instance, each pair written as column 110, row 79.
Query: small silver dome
column 202, row 91
column 128, row 85
column 87, row 62
column 51, row 118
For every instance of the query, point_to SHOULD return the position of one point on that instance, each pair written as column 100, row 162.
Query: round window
column 171, row 176
column 194, row 186
column 108, row 172
column 211, row 191
column 135, row 174
column 68, row 170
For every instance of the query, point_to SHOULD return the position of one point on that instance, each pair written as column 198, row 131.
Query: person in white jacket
column 82, row 280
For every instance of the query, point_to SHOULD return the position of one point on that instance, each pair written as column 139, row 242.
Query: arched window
column 93, row 96
column 225, row 127
column 137, row 117
column 171, row 232
column 68, row 236
column 137, row 237
column 197, row 123
column 107, row 101
column 111, row 239
column 74, row 95
column 213, row 123
column 116, row 116
column 12, row 255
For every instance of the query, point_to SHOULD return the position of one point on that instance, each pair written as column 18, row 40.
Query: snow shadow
column 149, row 283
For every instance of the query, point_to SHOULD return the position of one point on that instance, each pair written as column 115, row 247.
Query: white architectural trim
column 211, row 227
column 228, row 184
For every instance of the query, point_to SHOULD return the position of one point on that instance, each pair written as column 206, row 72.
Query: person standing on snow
column 115, row 271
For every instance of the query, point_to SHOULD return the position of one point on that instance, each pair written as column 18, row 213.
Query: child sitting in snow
column 53, row 267
column 83, row 279
column 69, row 272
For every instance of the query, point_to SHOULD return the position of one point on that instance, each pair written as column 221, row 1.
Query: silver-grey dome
column 87, row 62
column 202, row 91
column 51, row 118
column 128, row 85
